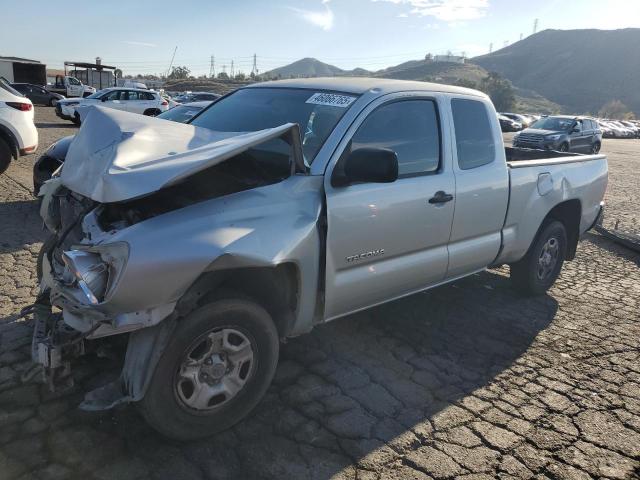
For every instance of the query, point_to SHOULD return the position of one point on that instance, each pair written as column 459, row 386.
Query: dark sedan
column 38, row 95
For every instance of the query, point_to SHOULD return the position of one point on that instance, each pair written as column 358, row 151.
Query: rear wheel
column 564, row 147
column 538, row 270
column 52, row 102
column 595, row 148
column 215, row 370
column 5, row 155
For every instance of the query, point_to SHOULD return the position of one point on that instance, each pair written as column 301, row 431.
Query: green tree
column 499, row 90
column 615, row 109
column 240, row 76
column 117, row 73
column 223, row 76
column 179, row 73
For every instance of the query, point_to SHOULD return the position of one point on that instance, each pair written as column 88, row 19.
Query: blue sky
column 140, row 36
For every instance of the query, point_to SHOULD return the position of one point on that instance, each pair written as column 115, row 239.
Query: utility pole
column 172, row 58
column 254, row 69
column 212, row 67
column 491, row 47
column 231, row 68
column 535, row 26
column 520, row 37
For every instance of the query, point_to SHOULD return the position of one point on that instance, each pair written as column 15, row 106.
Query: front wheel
column 564, row 147
column 52, row 102
column 595, row 148
column 215, row 370
column 538, row 270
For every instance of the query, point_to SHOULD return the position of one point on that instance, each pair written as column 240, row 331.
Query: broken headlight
column 96, row 269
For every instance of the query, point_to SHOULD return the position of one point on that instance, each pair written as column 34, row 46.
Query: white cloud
column 446, row 10
column 139, row 44
column 319, row 18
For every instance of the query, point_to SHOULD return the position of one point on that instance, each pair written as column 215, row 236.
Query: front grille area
column 531, row 138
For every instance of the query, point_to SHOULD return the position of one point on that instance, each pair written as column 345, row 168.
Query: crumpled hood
column 119, row 156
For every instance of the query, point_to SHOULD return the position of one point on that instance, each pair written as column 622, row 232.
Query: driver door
column 387, row 240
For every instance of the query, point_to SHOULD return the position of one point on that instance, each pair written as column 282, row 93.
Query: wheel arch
column 8, row 136
column 569, row 213
column 275, row 288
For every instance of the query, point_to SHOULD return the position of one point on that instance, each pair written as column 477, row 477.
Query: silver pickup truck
column 281, row 206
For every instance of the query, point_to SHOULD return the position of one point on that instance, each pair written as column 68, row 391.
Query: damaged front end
column 129, row 238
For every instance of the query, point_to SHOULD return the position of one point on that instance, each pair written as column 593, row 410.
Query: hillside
column 422, row 70
column 433, row 72
column 305, row 67
column 579, row 69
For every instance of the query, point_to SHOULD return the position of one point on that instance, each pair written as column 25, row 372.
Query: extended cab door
column 386, row 240
column 482, row 186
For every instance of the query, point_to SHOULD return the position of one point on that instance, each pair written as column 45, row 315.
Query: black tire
column 151, row 112
column 76, row 118
column 595, row 148
column 5, row 155
column 162, row 406
column 52, row 102
column 532, row 275
column 564, row 147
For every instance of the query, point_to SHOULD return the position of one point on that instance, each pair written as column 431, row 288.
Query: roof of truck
column 360, row 85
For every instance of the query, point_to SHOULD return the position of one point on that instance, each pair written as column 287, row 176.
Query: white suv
column 135, row 100
column 18, row 133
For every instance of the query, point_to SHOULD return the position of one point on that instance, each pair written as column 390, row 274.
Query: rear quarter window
column 474, row 138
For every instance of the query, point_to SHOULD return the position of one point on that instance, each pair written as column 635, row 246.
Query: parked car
column 524, row 121
column 37, row 94
column 54, row 156
column 635, row 130
column 561, row 133
column 607, row 130
column 135, row 100
column 509, row 125
column 18, row 133
column 282, row 206
column 197, row 97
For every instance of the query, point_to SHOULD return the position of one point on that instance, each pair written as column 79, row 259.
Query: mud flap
column 144, row 349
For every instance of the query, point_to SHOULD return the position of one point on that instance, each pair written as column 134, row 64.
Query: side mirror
column 366, row 165
column 575, row 129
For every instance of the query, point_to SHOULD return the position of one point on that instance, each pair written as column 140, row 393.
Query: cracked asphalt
column 465, row 381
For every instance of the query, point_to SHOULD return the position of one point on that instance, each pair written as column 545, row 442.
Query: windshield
column 97, row 94
column 553, row 123
column 181, row 113
column 252, row 109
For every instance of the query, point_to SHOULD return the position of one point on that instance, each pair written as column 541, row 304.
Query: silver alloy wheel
column 548, row 258
column 214, row 370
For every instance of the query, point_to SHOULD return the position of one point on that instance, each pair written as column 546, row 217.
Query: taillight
column 165, row 103
column 23, row 107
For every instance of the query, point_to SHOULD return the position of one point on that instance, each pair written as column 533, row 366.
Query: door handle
column 441, row 197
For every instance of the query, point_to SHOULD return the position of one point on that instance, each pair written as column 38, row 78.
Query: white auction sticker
column 331, row 99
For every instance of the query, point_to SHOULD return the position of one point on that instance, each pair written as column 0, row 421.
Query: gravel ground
column 465, row 381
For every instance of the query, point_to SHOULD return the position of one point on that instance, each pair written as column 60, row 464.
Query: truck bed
column 541, row 180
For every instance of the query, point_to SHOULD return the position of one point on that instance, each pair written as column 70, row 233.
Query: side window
column 474, row 138
column 147, row 96
column 410, row 128
column 131, row 95
column 74, row 81
column 114, row 95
